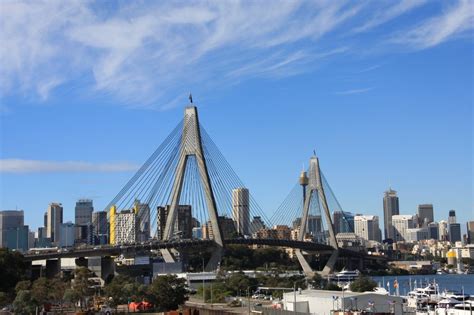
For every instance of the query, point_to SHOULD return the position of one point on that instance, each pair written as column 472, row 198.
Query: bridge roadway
column 116, row 250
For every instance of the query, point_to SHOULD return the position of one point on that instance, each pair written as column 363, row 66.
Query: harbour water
column 446, row 282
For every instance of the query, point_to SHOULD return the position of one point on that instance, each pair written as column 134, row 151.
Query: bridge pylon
column 315, row 186
column 191, row 145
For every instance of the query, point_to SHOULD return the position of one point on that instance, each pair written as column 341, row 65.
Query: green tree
column 24, row 303
column 82, row 285
column 120, row 290
column 167, row 292
column 363, row 284
column 23, row 285
column 40, row 290
column 12, row 270
column 71, row 296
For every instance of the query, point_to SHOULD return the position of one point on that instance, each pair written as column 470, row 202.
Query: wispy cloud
column 354, row 91
column 456, row 20
column 36, row 166
column 143, row 53
column 385, row 14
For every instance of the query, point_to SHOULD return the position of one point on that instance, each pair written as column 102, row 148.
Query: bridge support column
column 215, row 261
column 304, row 264
column 53, row 267
column 329, row 268
column 82, row 262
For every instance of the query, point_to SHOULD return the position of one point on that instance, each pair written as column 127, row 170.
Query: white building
column 126, row 227
column 401, row 223
column 324, row 302
column 417, row 234
column 240, row 210
column 443, row 230
column 367, row 227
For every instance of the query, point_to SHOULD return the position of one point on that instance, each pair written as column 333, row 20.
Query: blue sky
column 382, row 90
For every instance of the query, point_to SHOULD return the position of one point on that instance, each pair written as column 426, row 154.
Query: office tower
column 452, row 216
column 207, row 233
column 197, row 232
column 126, row 227
column 470, row 232
column 425, row 214
column 240, row 210
column 343, row 222
column 67, row 234
column 13, row 232
column 227, row 227
column 45, row 218
column 401, row 223
column 256, row 224
column 443, row 230
column 83, row 212
column 100, row 227
column 55, row 218
column 42, row 240
column 454, row 232
column 367, row 227
column 390, row 208
column 183, row 225
column 143, row 215
column 433, row 230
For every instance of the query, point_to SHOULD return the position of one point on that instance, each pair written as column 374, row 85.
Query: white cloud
column 385, row 15
column 354, row 91
column 35, row 166
column 456, row 20
column 144, row 53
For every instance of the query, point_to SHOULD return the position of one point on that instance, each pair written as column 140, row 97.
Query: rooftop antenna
column 191, row 98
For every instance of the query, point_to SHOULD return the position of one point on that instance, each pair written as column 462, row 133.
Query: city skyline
column 380, row 108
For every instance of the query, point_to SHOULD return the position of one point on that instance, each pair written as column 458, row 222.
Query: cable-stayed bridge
column 187, row 195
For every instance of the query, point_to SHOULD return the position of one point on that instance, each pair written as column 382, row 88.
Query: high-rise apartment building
column 55, row 219
column 99, row 222
column 401, row 223
column 390, row 208
column 126, row 227
column 240, row 210
column 367, row 227
column 83, row 212
column 425, row 215
column 470, row 232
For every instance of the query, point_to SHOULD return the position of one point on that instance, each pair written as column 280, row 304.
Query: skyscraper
column 184, row 221
column 390, row 208
column 55, row 218
column 454, row 232
column 433, row 230
column 425, row 214
column 367, row 227
column 240, row 210
column 343, row 222
column 13, row 232
column 452, row 216
column 83, row 212
column 443, row 230
column 100, row 227
column 126, row 227
column 143, row 215
column 401, row 223
column 470, row 232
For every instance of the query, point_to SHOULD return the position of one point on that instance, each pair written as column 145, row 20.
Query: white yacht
column 345, row 276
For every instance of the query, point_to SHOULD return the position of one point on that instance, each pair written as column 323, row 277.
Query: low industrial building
column 324, row 302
